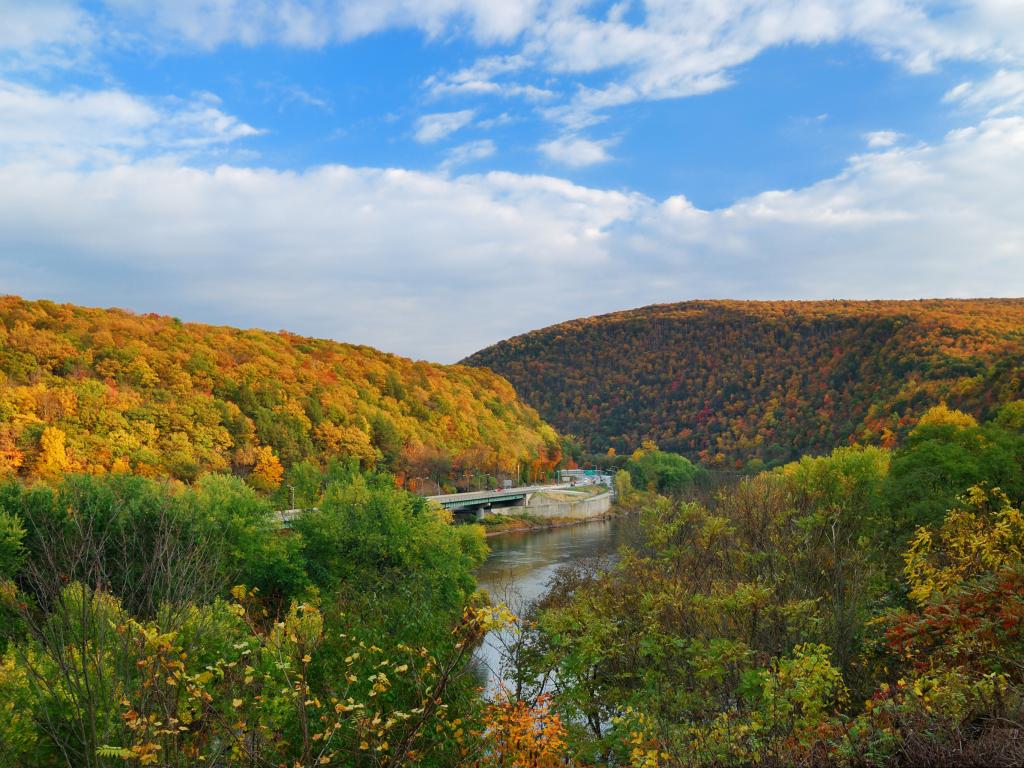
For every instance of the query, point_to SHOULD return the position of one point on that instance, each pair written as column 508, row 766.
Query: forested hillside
column 93, row 390
column 728, row 382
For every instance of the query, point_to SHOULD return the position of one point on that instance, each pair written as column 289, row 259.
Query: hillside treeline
column 732, row 382
column 97, row 391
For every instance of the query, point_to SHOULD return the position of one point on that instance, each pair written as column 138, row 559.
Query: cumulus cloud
column 576, row 152
column 393, row 258
column 437, row 266
column 436, row 126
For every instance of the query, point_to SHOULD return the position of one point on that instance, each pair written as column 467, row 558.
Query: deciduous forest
column 732, row 382
column 97, row 391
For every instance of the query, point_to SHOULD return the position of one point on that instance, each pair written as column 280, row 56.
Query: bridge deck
column 482, row 498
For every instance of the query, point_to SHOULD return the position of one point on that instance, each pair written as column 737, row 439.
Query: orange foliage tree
column 523, row 735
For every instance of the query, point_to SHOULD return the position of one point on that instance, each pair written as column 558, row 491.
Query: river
column 520, row 564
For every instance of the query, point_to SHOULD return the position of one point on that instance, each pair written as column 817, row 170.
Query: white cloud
column 487, row 20
column 469, row 152
column 417, row 263
column 75, row 126
column 43, row 33
column 1002, row 93
column 686, row 49
column 482, row 79
column 882, row 139
column 497, row 121
column 434, row 127
column 211, row 23
column 576, row 152
column 286, row 93
column 939, row 220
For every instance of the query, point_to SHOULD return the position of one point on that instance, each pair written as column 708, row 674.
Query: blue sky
column 430, row 176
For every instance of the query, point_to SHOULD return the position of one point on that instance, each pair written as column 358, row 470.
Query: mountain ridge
column 706, row 378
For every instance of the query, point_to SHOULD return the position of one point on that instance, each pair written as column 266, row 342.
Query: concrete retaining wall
column 595, row 506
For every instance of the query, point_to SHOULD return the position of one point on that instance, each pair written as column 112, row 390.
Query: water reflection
column 520, row 565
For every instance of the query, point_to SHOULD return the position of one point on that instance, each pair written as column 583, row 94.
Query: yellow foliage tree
column 161, row 398
column 52, row 460
column 646, row 446
column 940, row 415
column 346, row 441
column 981, row 536
column 267, row 471
column 121, row 465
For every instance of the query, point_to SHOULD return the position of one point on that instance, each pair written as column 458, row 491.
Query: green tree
column 666, row 473
column 940, row 461
column 12, row 550
column 251, row 547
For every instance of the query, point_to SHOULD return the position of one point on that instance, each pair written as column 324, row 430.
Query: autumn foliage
column 98, row 391
column 727, row 382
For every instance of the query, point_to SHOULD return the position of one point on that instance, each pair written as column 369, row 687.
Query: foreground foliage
column 812, row 615
column 149, row 624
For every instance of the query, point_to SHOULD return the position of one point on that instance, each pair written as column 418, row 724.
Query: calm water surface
column 520, row 565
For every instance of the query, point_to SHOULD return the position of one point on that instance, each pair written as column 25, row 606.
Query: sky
column 432, row 176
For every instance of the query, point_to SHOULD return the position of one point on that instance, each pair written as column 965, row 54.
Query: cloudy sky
column 431, row 176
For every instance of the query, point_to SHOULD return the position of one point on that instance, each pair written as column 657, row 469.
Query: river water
column 520, row 565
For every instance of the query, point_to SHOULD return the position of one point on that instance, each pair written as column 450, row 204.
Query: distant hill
column 731, row 381
column 103, row 389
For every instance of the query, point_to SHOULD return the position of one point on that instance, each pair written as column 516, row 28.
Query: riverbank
column 527, row 523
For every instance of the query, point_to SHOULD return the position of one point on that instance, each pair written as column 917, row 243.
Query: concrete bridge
column 475, row 501
column 479, row 501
